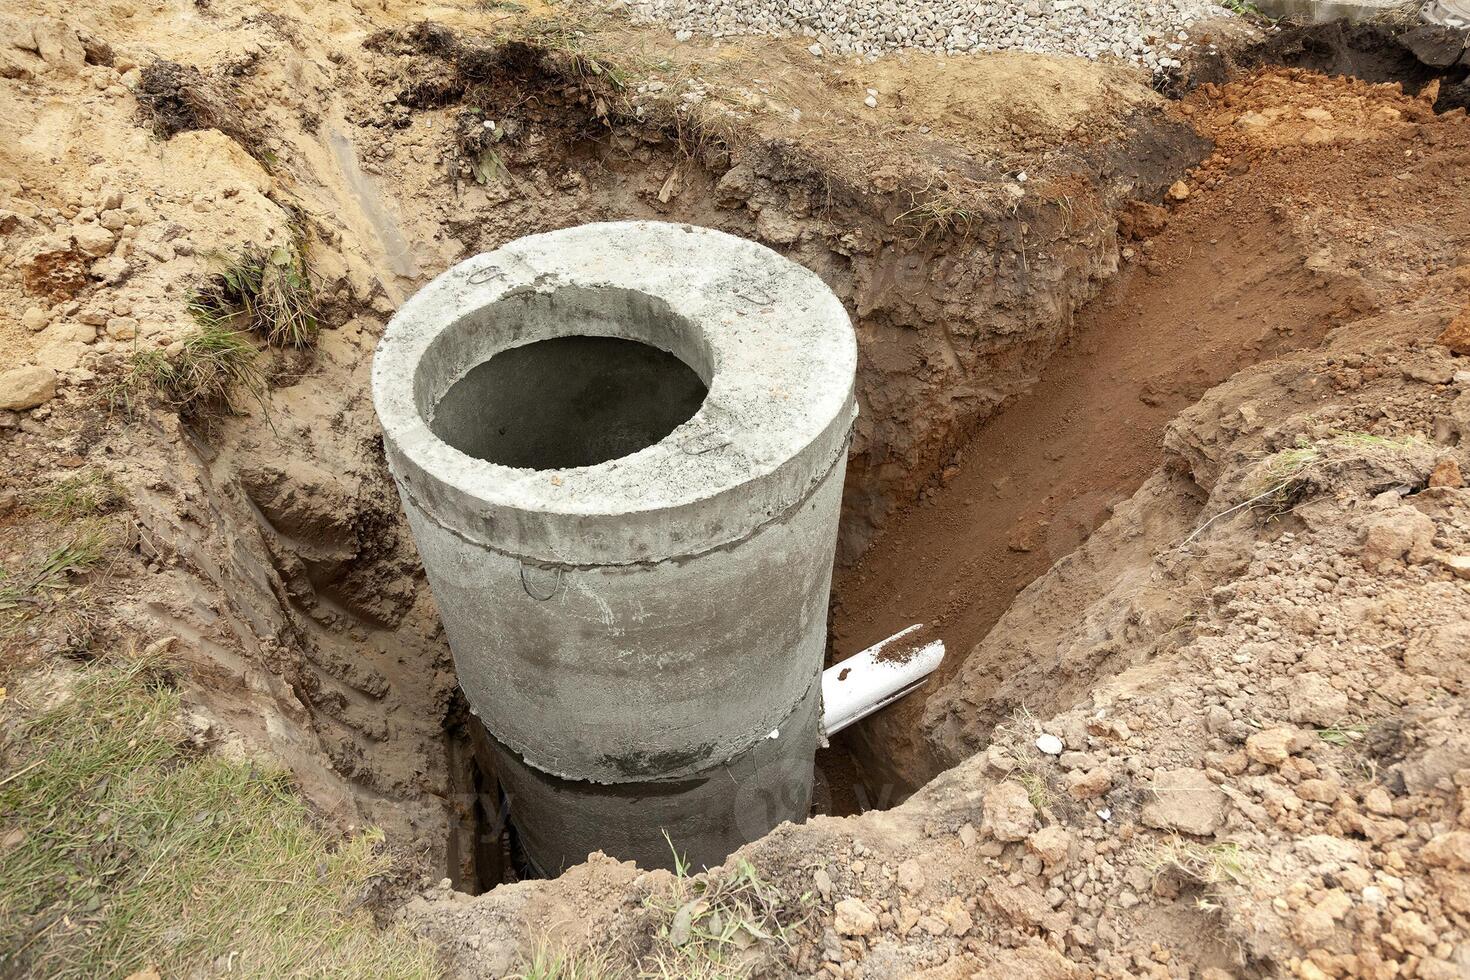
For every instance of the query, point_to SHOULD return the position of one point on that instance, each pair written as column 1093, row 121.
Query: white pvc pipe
column 867, row 681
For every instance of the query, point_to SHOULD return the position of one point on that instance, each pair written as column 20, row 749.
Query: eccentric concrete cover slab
column 768, row 338
column 655, row 615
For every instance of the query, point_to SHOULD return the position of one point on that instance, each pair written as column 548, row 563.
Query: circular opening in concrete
column 568, row 402
column 768, row 339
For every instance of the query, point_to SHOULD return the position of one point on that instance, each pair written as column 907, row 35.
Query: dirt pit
column 1163, row 414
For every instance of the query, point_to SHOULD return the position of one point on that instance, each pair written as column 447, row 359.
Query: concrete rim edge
column 664, row 501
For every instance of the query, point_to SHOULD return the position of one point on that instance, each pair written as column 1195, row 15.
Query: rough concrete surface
column 706, row 816
column 653, row 616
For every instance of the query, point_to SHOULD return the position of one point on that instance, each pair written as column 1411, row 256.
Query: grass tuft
column 1038, row 792
column 548, row 963
column 719, row 924
column 83, row 495
column 120, row 853
column 1209, row 864
column 37, row 587
column 573, row 41
column 1283, row 480
column 939, row 217
column 213, row 365
column 265, row 290
column 1017, row 737
column 174, row 98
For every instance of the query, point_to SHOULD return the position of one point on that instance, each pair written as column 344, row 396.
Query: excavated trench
column 1004, row 415
column 1023, row 489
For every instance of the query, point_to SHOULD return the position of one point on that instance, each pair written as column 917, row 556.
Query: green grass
column 1038, row 792
column 1279, row 471
column 31, row 590
column 265, row 290
column 1342, row 734
column 1248, row 10
column 119, row 851
column 214, row 366
column 488, row 167
column 85, row 494
column 1282, row 480
column 548, row 963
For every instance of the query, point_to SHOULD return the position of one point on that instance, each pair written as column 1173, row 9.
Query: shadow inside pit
column 1413, row 55
column 483, row 847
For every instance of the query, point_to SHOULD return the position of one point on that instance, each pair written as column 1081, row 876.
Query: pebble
column 911, row 877
column 26, row 387
column 122, row 328
column 1049, row 744
column 94, row 240
column 853, row 918
column 1272, row 747
column 1185, row 800
column 1008, row 813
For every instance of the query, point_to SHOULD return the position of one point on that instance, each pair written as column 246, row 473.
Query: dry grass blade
column 550, row 963
column 1209, row 864
column 1016, row 736
column 573, row 40
column 721, row 923
column 1283, row 480
column 938, row 217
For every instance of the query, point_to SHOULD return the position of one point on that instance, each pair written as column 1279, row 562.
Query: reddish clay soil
column 1227, row 279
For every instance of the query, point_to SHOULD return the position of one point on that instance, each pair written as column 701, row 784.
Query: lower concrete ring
column 651, row 609
column 703, row 818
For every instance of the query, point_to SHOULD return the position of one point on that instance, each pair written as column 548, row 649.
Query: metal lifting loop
column 540, row 583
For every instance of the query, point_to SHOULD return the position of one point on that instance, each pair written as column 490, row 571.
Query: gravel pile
column 1152, row 34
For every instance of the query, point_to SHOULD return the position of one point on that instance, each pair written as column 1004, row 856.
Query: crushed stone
column 1151, row 34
